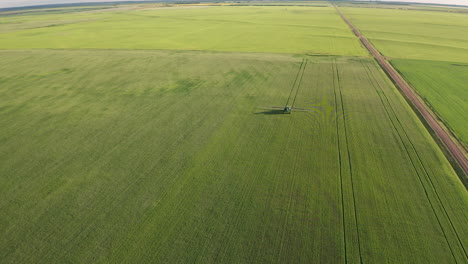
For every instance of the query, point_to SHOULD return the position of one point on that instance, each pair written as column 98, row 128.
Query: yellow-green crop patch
column 409, row 34
column 291, row 29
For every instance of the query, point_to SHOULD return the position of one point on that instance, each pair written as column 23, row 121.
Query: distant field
column 172, row 157
column 428, row 49
column 405, row 6
column 407, row 34
column 314, row 30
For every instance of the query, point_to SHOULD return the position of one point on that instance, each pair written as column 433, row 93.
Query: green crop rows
column 138, row 155
column 444, row 85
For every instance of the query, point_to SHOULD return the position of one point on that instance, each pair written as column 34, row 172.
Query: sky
column 16, row 3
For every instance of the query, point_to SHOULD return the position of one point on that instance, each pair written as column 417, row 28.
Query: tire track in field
column 291, row 191
column 420, row 162
column 372, row 80
column 299, row 84
column 303, row 64
column 295, row 80
column 336, row 73
column 339, row 161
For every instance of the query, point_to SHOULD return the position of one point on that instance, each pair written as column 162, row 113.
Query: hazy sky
column 13, row 3
column 448, row 2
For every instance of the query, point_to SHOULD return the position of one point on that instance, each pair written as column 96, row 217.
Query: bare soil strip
column 453, row 147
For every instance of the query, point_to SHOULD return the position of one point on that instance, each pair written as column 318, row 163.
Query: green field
column 429, row 48
column 314, row 30
column 111, row 155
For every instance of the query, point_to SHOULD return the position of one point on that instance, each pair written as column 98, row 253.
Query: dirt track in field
column 454, row 148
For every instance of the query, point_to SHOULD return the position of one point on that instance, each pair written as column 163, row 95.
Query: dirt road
column 454, row 148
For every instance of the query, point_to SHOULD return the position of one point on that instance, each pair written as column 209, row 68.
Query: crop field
column 157, row 153
column 430, row 49
column 185, row 164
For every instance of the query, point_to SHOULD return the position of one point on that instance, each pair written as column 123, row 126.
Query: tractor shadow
column 271, row 112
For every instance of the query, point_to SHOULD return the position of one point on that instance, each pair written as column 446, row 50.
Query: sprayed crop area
column 173, row 157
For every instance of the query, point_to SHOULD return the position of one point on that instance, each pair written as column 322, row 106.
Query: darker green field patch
column 244, row 76
column 240, row 77
column 186, row 85
column 51, row 73
column 4, row 108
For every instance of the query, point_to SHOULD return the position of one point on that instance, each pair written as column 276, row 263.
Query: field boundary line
column 455, row 151
column 202, row 51
column 411, row 158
